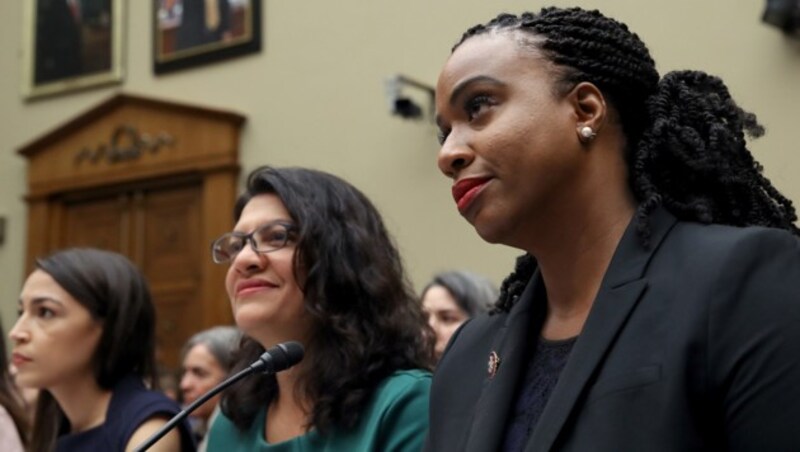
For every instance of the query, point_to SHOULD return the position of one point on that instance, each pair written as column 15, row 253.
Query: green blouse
column 395, row 420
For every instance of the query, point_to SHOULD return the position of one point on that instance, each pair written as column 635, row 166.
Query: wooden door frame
column 201, row 144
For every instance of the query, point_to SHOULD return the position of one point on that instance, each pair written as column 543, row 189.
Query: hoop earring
column 586, row 134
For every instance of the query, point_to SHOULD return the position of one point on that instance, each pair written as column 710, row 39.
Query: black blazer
column 692, row 344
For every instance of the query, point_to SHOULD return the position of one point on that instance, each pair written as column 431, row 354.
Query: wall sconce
column 404, row 106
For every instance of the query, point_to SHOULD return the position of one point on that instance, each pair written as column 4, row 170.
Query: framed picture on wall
column 193, row 32
column 71, row 45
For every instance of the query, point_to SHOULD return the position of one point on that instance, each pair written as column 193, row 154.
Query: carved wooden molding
column 126, row 144
column 148, row 178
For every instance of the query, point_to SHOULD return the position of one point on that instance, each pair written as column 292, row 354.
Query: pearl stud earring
column 587, row 133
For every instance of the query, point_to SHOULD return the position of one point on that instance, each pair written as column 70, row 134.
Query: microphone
column 275, row 359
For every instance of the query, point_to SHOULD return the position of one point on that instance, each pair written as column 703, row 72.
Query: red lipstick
column 466, row 190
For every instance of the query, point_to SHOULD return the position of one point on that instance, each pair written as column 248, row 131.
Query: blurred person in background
column 453, row 297
column 207, row 359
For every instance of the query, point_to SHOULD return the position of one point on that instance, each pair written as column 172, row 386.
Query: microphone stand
column 275, row 359
column 193, row 406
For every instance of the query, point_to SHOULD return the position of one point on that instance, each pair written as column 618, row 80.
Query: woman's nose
column 18, row 333
column 433, row 324
column 454, row 156
column 249, row 260
column 185, row 382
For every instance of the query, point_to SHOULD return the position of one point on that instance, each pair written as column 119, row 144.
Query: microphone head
column 282, row 356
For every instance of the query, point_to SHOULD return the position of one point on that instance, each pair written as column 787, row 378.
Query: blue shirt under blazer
column 692, row 344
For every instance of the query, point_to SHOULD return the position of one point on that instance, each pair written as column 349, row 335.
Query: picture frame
column 71, row 45
column 186, row 35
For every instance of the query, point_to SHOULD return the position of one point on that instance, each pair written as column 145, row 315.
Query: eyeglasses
column 264, row 239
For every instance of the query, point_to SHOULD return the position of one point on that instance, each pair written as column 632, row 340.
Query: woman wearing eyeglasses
column 311, row 261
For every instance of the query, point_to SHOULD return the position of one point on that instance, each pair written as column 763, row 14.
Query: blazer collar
column 619, row 293
column 497, row 396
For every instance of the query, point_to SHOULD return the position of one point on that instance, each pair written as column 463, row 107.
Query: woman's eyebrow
column 464, row 84
column 39, row 300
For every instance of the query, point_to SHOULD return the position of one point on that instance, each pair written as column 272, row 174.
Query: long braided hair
column 685, row 136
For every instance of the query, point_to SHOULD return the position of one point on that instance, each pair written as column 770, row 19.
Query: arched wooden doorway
column 153, row 180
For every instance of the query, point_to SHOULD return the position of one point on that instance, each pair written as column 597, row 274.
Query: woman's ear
column 589, row 108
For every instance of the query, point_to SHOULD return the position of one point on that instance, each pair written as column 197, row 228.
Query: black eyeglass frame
column 291, row 231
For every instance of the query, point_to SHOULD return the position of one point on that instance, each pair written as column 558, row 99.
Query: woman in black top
column 657, row 306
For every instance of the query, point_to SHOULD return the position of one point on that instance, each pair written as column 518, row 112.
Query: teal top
column 395, row 420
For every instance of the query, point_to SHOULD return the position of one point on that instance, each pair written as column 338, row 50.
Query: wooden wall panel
column 173, row 248
column 153, row 180
column 103, row 223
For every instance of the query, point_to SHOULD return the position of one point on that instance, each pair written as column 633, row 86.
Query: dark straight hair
column 115, row 293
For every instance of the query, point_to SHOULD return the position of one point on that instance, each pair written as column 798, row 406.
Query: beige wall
column 314, row 97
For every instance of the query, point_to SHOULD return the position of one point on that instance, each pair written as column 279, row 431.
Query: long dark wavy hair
column 115, row 293
column 10, row 398
column 367, row 320
column 685, row 135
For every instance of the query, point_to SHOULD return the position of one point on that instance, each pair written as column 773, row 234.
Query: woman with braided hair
column 657, row 305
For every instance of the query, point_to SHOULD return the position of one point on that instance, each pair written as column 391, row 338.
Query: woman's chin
column 250, row 322
column 489, row 233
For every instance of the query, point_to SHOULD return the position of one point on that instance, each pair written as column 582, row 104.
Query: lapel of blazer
column 619, row 293
column 497, row 396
